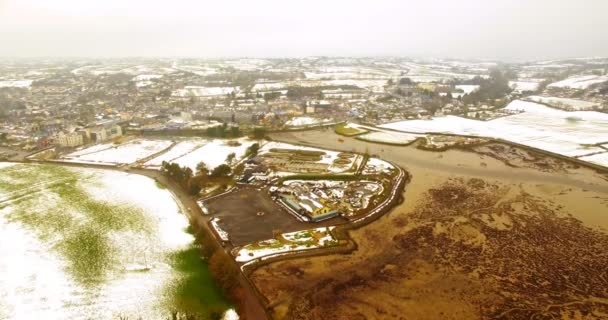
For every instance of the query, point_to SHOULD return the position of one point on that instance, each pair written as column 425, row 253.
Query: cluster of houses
column 321, row 200
column 93, row 134
column 302, row 199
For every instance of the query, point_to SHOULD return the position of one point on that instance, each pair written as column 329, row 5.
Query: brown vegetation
column 468, row 249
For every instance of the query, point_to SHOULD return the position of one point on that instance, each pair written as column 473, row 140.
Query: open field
column 96, row 244
column 214, row 153
column 563, row 103
column 180, row 149
column 579, row 82
column 125, row 153
column 474, row 239
column 566, row 133
column 389, row 137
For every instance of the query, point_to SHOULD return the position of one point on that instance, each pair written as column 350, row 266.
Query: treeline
column 193, row 182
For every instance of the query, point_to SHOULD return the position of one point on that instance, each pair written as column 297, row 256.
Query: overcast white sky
column 490, row 29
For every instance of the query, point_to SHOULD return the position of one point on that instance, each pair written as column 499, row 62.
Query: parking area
column 249, row 215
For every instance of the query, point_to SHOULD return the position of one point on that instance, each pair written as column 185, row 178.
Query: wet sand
column 475, row 239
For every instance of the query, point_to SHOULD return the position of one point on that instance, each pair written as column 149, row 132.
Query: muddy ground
column 471, row 241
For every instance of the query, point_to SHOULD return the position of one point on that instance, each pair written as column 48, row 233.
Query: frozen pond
column 96, row 244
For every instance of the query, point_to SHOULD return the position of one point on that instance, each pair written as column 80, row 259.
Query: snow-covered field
column 15, row 83
column 126, row 153
column 213, row 153
column 103, row 278
column 196, row 91
column 467, row 88
column 419, row 72
column 561, row 132
column 305, row 121
column 198, row 70
column 294, row 241
column 179, row 150
column 579, row 82
column 389, row 137
column 92, row 149
column 564, row 102
column 600, row 158
column 269, row 86
column 521, row 86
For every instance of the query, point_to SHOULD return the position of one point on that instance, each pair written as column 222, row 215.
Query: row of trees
column 194, row 182
column 222, row 268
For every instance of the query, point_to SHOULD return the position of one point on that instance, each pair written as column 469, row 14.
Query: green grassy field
column 54, row 204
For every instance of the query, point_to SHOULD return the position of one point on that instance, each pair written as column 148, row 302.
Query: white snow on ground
column 35, row 282
column 223, row 234
column 561, row 132
column 579, row 82
column 230, row 314
column 374, row 165
column 467, row 88
column 143, row 77
column 6, row 164
column 179, row 150
column 92, row 149
column 390, row 137
column 273, row 246
column 268, row 86
column 360, row 126
column 214, row 153
column 521, row 86
column 121, row 154
column 196, row 69
column 600, row 158
column 564, row 102
column 305, row 121
column 196, row 91
column 328, row 158
column 16, row 83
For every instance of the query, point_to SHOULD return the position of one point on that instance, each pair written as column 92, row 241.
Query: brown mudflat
column 471, row 241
